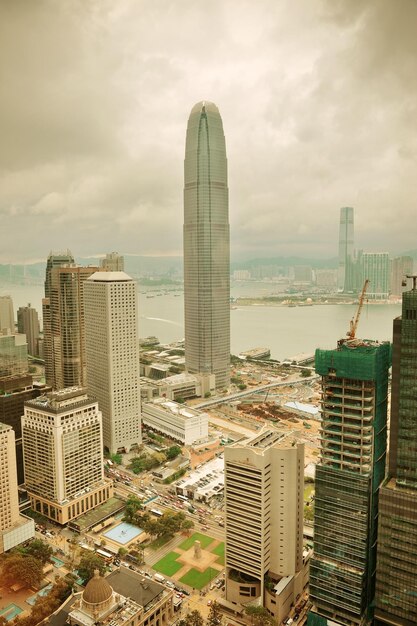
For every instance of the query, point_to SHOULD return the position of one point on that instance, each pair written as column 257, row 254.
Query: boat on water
column 256, row 353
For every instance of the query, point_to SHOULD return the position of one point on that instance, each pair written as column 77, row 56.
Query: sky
column 319, row 106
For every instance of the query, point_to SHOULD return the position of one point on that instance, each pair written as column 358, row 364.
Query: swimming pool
column 10, row 611
column 57, row 562
column 123, row 533
column 43, row 592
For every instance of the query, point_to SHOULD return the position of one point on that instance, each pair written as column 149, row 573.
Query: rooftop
column 110, row 277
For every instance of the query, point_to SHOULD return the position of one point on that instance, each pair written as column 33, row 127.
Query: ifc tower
column 206, row 246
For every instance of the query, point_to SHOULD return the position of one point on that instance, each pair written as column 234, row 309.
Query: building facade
column 63, row 455
column 64, row 332
column 113, row 262
column 14, row 528
column 396, row 580
column 350, row 470
column 112, row 343
column 346, row 250
column 28, row 324
column 181, row 423
column 13, row 355
column 206, row 246
column 6, row 315
column 376, row 268
column 400, row 268
column 264, row 484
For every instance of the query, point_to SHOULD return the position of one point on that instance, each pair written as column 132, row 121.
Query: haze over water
column 287, row 331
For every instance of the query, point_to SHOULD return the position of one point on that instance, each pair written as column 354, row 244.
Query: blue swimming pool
column 57, row 562
column 43, row 592
column 123, row 533
column 10, row 611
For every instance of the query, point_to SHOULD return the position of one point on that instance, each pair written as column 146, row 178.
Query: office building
column 401, row 267
column 346, row 250
column 181, row 423
column 113, row 262
column 375, row 267
column 28, row 324
column 14, row 528
column 64, row 333
column 63, row 455
column 14, row 392
column 206, row 246
column 13, row 355
column 396, row 579
column 264, row 484
column 6, row 315
column 350, row 470
column 112, row 347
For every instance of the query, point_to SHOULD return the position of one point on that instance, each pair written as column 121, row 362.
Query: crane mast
column 351, row 334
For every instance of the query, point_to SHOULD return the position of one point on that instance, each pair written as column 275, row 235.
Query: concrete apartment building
column 63, row 319
column 113, row 262
column 28, row 324
column 264, row 485
column 396, row 579
column 63, row 455
column 376, row 267
column 112, row 349
column 182, row 423
column 13, row 354
column 206, row 246
column 14, row 528
column 6, row 315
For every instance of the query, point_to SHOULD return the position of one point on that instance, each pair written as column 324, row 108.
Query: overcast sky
column 319, row 107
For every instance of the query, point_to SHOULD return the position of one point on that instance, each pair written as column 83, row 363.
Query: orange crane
column 351, row 334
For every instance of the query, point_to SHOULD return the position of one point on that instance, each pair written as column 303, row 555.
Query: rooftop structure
column 179, row 422
column 204, row 482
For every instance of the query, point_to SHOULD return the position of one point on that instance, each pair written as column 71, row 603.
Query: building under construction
column 349, row 473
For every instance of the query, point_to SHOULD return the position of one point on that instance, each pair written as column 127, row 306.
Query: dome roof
column 97, row 590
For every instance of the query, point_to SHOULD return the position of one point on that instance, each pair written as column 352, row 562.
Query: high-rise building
column 206, row 246
column 28, row 324
column 13, row 354
column 113, row 262
column 396, row 580
column 350, row 470
column 63, row 455
column 375, row 267
column 6, row 314
column 401, row 267
column 264, row 484
column 64, row 335
column 14, row 392
column 346, row 250
column 112, row 348
column 14, row 528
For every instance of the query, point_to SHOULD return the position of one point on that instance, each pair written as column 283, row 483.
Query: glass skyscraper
column 345, row 277
column 206, row 246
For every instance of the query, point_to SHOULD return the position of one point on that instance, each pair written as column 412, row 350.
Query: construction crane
column 351, row 334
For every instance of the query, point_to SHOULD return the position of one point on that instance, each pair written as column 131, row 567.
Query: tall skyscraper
column 396, row 579
column 375, row 267
column 14, row 528
column 64, row 333
column 6, row 314
column 63, row 455
column 112, row 347
column 346, row 250
column 113, row 262
column 349, row 473
column 264, row 484
column 206, row 246
column 28, row 324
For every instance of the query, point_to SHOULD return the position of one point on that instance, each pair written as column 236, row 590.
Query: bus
column 106, row 556
column 183, row 498
column 156, row 512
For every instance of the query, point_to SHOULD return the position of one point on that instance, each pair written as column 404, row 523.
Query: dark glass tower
column 206, row 246
column 396, row 578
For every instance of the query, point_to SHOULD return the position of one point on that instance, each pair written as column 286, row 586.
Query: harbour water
column 287, row 331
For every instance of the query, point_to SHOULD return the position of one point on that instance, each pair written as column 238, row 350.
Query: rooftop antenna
column 414, row 279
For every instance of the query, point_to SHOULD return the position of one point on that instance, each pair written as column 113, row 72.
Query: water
column 10, row 611
column 287, row 331
column 123, row 533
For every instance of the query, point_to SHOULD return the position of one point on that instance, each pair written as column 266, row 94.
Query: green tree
column 21, row 569
column 192, row 619
column 133, row 506
column 88, row 563
column 305, row 372
column 215, row 615
column 39, row 550
column 259, row 615
column 116, row 459
column 172, row 452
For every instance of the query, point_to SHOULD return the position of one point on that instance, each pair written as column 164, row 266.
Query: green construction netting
column 316, row 620
column 365, row 361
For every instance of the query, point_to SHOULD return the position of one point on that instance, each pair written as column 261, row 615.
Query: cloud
column 318, row 101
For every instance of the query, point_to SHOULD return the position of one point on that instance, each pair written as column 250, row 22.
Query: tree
column 259, row 615
column 39, row 550
column 172, row 452
column 215, row 615
column 305, row 372
column 88, row 563
column 192, row 619
column 116, row 459
column 133, row 506
column 21, row 569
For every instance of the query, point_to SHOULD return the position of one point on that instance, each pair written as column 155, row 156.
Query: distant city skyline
column 317, row 98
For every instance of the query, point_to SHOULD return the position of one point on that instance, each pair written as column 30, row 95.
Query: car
column 209, row 602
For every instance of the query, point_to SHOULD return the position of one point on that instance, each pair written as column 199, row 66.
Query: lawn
column 308, row 491
column 219, row 550
column 168, row 565
column 161, row 541
column 203, row 539
column 197, row 579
